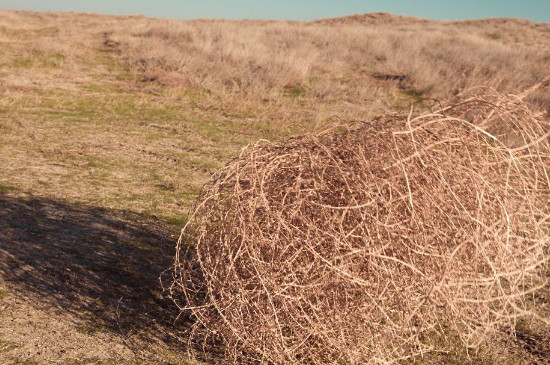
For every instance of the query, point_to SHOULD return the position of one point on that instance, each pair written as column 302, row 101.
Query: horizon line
column 271, row 19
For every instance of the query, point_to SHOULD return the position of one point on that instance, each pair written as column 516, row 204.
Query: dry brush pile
column 361, row 244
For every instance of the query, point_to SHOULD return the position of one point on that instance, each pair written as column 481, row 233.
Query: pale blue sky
column 537, row 10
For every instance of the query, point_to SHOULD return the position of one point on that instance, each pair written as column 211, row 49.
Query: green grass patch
column 54, row 60
column 107, row 58
column 98, row 163
column 27, row 62
column 176, row 220
column 6, row 188
column 413, row 94
column 95, row 88
column 294, row 91
column 38, row 59
column 194, row 95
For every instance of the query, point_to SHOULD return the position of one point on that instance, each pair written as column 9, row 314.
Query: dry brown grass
column 362, row 246
column 339, row 60
column 355, row 67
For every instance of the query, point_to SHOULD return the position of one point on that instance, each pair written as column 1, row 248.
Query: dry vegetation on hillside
column 332, row 61
column 119, row 121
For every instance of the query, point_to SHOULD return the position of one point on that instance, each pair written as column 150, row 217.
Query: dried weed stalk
column 358, row 245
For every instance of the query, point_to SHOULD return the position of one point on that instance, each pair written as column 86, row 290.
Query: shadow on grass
column 100, row 265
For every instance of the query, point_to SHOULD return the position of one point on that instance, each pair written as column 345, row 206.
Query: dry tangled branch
column 357, row 245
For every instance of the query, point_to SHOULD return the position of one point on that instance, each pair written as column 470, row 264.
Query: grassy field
column 109, row 126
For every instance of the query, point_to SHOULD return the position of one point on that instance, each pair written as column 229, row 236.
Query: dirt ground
column 81, row 285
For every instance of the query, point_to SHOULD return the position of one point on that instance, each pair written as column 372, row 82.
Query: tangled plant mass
column 360, row 244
